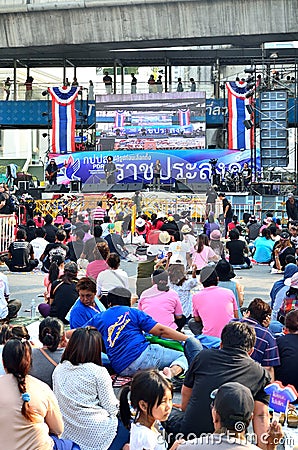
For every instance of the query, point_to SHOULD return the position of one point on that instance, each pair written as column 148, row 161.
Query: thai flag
column 63, row 118
column 238, row 136
column 119, row 119
column 184, row 117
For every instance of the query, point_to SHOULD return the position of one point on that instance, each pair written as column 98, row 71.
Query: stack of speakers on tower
column 273, row 127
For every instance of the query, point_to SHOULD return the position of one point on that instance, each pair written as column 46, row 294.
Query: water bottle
column 33, row 309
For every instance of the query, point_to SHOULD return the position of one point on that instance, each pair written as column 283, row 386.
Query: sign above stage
column 192, row 166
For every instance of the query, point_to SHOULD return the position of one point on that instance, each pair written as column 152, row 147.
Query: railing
column 8, row 223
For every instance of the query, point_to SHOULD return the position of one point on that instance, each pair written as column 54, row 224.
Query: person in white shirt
column 39, row 244
column 110, row 278
column 179, row 251
column 8, row 308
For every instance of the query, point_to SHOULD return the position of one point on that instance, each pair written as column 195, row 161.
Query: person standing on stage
column 245, row 177
column 156, row 174
column 211, row 195
column 51, row 172
column 108, row 82
column 227, row 210
column 109, row 170
column 133, row 84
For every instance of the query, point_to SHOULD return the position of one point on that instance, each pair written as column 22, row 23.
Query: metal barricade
column 8, row 226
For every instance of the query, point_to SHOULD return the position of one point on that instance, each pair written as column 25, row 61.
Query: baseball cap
column 215, row 235
column 235, row 404
column 111, row 226
column 152, row 250
column 185, row 229
column 291, row 195
column 292, row 282
column 284, row 235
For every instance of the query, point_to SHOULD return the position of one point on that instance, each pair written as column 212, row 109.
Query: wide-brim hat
column 164, row 237
column 186, row 229
column 215, row 235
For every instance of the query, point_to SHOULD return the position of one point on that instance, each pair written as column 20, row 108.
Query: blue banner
column 132, row 166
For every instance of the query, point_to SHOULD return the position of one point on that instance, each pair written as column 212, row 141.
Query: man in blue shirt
column 123, row 328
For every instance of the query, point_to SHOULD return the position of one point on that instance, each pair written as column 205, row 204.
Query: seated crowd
column 185, row 329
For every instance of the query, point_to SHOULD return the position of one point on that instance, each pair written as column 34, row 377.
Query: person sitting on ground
column 115, row 242
column 234, row 223
column 87, row 305
column 253, row 228
column 263, row 247
column 237, row 251
column 38, row 220
column 99, row 264
column 56, row 248
column 90, row 244
column 39, row 243
column 8, row 308
column 63, row 294
column 213, row 307
column 179, row 250
column 11, row 332
column 216, row 244
column 290, row 300
column 188, row 237
column 56, row 271
column 225, row 274
column 210, row 225
column 110, row 278
column 30, row 230
column 20, row 254
column 233, row 404
column 75, row 247
column 203, row 254
column 170, row 226
column 122, row 329
column 85, row 395
column 265, row 350
column 45, row 359
column 183, row 286
column 50, row 229
column 279, row 290
column 29, row 413
column 210, row 369
column 162, row 303
column 287, row 371
column 145, row 270
column 281, row 249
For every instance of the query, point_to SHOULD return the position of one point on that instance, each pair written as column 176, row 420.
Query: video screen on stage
column 166, row 121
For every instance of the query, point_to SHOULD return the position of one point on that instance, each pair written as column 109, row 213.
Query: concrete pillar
column 64, row 71
column 170, row 77
column 115, row 78
column 166, row 76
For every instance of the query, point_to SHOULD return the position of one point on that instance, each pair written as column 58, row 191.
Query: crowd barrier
column 8, row 226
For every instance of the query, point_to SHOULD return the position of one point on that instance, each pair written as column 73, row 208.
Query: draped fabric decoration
column 63, row 118
column 119, row 119
column 184, row 117
column 238, row 136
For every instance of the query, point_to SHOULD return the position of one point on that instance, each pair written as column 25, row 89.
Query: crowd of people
column 186, row 328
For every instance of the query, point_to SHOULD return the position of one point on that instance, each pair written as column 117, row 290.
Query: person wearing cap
column 263, row 247
column 279, row 289
column 292, row 208
column 183, row 286
column 122, row 329
column 51, row 172
column 115, row 242
column 213, row 306
column 265, row 350
column 216, row 244
column 290, row 300
column 170, row 225
column 212, row 368
column 287, row 371
column 232, row 408
column 179, row 250
column 281, row 249
column 188, row 237
column 225, row 274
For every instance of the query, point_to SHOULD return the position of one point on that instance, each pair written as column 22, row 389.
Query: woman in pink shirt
column 204, row 254
column 162, row 303
column 101, row 253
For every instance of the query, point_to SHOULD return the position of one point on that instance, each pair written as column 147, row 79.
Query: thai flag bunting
column 119, row 119
column 63, row 118
column 238, row 136
column 184, row 117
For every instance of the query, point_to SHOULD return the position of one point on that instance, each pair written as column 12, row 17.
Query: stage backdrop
column 186, row 165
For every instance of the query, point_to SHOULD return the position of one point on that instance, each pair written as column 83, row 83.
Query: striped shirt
column 98, row 213
column 265, row 350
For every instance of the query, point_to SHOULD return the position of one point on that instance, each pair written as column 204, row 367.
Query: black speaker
column 107, row 144
column 132, row 187
column 96, row 187
column 166, row 187
column 182, row 187
column 198, row 187
column 36, row 193
column 75, row 186
column 61, row 188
